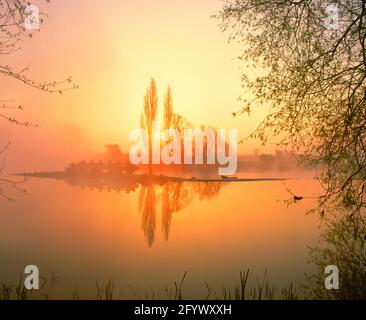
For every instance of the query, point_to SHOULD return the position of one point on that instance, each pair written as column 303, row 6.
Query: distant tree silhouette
column 171, row 120
column 180, row 123
column 312, row 72
column 148, row 115
column 168, row 108
column 113, row 152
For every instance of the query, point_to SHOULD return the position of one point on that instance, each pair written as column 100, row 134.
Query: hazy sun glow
column 112, row 51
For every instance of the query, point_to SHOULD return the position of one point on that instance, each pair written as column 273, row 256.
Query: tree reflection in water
column 147, row 207
column 171, row 197
column 342, row 241
column 168, row 196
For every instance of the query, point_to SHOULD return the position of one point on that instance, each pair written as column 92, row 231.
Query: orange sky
column 111, row 49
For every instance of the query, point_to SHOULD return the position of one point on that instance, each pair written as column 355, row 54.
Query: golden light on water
column 191, row 203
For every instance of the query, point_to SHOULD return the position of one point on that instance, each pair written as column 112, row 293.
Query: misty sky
column 111, row 49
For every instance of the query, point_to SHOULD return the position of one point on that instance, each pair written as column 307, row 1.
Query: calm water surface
column 147, row 238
